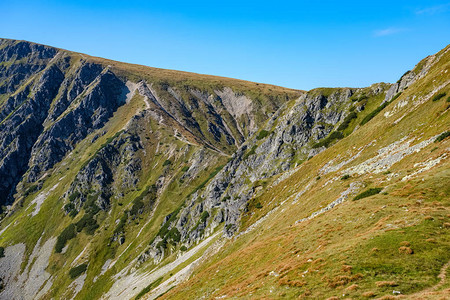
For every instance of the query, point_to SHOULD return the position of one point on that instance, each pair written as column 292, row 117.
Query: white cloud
column 387, row 31
column 431, row 10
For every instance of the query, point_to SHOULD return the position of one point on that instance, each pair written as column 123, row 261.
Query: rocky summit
column 121, row 181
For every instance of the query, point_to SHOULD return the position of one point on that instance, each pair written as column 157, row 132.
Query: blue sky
column 297, row 44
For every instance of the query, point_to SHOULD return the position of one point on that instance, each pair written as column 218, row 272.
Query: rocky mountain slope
column 121, row 181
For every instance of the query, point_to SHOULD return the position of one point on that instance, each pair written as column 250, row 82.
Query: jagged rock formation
column 63, row 98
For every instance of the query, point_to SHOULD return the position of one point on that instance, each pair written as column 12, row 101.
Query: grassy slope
column 352, row 250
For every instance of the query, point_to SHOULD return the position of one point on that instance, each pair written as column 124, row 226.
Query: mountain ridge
column 101, row 59
column 154, row 176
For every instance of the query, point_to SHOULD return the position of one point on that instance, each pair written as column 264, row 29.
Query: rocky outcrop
column 52, row 101
column 284, row 142
column 411, row 76
column 114, row 163
column 21, row 60
column 19, row 131
column 95, row 107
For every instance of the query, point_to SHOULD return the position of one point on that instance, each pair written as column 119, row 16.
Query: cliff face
column 120, row 169
column 48, row 106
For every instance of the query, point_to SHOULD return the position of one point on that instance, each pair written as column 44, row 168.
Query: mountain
column 121, row 181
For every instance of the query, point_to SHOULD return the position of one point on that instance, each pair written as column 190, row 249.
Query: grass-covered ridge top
column 173, row 76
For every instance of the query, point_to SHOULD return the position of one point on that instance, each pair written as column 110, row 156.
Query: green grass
column 388, row 263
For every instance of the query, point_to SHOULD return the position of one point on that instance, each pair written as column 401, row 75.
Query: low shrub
column 204, row 216
column 258, row 205
column 148, row 288
column 88, row 223
column 2, row 252
column 368, row 193
column 121, row 226
column 164, row 230
column 442, row 136
column 74, row 196
column 166, row 163
column 138, row 205
column 67, row 234
column 31, row 190
column 439, row 96
column 345, row 177
column 335, row 135
column 347, row 120
column 174, row 235
column 90, row 206
column 73, row 213
column 162, row 244
column 69, row 207
column 202, row 185
column 377, row 110
column 360, row 98
column 251, row 152
column 77, row 271
column 396, row 96
column 262, row 134
column 226, row 198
